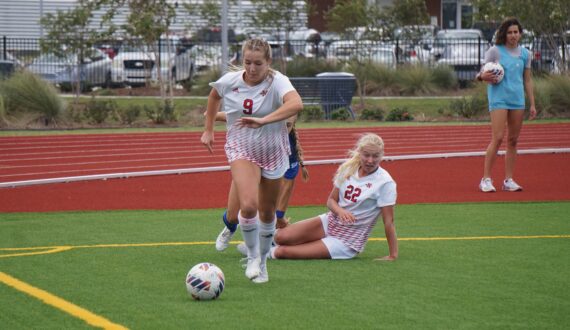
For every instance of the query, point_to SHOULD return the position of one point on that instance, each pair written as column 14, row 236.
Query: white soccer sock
column 272, row 252
column 250, row 232
column 266, row 233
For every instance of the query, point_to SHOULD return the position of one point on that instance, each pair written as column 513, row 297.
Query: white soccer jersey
column 267, row 146
column 363, row 197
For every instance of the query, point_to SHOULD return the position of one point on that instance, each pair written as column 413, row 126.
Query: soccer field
column 477, row 265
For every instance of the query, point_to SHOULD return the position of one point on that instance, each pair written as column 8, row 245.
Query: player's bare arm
column 292, row 105
column 214, row 101
column 528, row 86
column 390, row 231
column 332, row 204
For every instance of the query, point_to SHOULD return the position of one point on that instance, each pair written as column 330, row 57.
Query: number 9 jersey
column 268, row 145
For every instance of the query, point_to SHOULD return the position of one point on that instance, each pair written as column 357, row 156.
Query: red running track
column 42, row 157
column 543, row 176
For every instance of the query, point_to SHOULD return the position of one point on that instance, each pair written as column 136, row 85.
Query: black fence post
column 4, row 51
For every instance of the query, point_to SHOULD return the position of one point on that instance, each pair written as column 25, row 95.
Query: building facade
column 20, row 18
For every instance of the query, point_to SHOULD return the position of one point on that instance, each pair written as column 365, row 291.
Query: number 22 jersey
column 268, row 145
column 364, row 197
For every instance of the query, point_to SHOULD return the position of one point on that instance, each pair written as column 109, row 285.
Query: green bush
column 312, row 113
column 200, row 83
column 382, row 80
column 3, row 120
column 307, row 67
column 374, row 113
column 129, row 114
column 400, row 114
column 415, row 80
column 469, row 107
column 161, row 112
column 559, row 95
column 25, row 92
column 443, row 77
column 97, row 111
column 340, row 114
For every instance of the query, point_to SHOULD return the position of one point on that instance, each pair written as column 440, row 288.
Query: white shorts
column 336, row 247
column 276, row 173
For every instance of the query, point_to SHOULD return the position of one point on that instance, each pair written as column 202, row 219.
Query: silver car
column 454, row 37
column 465, row 59
column 94, row 69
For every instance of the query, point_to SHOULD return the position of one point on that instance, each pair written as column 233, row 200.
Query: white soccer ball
column 205, row 281
column 496, row 69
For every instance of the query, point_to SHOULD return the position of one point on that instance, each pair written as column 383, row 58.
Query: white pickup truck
column 135, row 65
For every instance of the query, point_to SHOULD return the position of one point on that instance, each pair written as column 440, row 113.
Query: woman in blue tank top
column 507, row 100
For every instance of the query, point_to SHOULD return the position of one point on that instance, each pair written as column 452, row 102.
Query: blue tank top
column 509, row 93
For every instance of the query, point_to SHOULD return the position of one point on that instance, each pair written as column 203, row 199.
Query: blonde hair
column 351, row 165
column 259, row 45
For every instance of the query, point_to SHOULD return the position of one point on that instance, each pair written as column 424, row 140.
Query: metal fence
column 114, row 63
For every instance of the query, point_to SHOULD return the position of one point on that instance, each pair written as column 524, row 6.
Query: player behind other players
column 362, row 192
column 507, row 100
column 256, row 100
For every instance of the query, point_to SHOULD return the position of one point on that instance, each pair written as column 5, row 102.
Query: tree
column 280, row 16
column 209, row 10
column 69, row 35
column 356, row 20
column 148, row 22
column 346, row 16
column 553, row 19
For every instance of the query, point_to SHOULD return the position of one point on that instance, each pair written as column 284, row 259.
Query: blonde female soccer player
column 362, row 192
column 230, row 216
column 257, row 100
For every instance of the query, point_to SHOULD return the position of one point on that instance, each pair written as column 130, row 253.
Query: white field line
column 226, row 168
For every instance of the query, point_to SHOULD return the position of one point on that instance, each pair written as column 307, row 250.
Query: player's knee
column 278, row 237
column 267, row 214
column 497, row 140
column 281, row 252
column 248, row 210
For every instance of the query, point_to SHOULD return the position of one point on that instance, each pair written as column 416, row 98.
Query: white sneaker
column 511, row 185
column 224, row 238
column 263, row 275
column 252, row 267
column 242, row 248
column 486, row 185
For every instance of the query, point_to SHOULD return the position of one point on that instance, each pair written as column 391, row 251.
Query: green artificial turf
column 479, row 265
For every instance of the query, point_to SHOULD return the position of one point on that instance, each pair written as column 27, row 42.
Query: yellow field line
column 65, row 306
column 55, row 249
column 42, row 250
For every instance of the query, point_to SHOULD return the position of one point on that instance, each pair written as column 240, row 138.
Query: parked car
column 93, row 69
column 7, row 68
column 544, row 51
column 465, row 59
column 207, row 57
column 384, row 55
column 8, row 65
column 563, row 64
column 305, row 43
column 415, row 42
column 363, row 50
column 136, row 65
column 444, row 38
